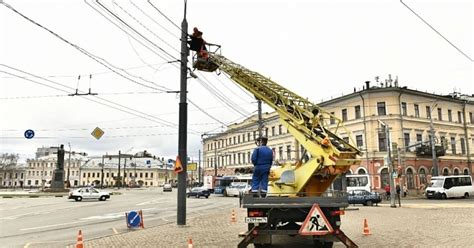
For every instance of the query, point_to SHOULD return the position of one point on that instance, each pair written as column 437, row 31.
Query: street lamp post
column 102, row 173
column 390, row 164
column 432, row 143
column 68, row 183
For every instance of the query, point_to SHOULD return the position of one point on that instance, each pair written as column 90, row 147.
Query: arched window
column 422, row 175
column 466, row 171
column 456, row 171
column 410, row 180
column 445, row 172
column 361, row 171
column 384, row 177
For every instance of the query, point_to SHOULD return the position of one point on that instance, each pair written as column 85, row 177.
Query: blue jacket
column 262, row 155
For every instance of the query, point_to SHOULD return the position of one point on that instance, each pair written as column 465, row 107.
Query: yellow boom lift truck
column 299, row 201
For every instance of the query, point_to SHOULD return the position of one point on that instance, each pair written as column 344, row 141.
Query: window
column 238, row 158
column 440, row 114
column 248, row 136
column 280, row 152
column 463, row 146
column 406, row 137
column 357, row 112
column 417, row 110
column 404, row 108
column 453, row 145
column 273, row 131
column 288, row 152
column 428, row 112
column 233, row 140
column 280, row 129
column 450, row 115
column 382, row 142
column 331, row 119
column 471, row 120
column 146, row 174
column 344, row 115
column 238, row 139
column 243, row 137
column 381, row 108
column 419, row 138
column 459, row 117
column 359, row 141
column 266, row 132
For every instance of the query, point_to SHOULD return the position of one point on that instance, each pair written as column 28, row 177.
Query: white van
column 450, row 186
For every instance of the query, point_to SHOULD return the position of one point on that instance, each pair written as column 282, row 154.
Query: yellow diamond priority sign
column 97, row 133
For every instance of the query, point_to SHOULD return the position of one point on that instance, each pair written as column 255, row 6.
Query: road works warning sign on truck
column 315, row 223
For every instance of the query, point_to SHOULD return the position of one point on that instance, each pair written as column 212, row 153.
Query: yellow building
column 407, row 113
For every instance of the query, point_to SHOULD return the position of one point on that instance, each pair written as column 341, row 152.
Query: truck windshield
column 437, row 183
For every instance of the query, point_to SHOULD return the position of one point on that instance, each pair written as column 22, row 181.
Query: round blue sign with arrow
column 133, row 219
column 29, row 134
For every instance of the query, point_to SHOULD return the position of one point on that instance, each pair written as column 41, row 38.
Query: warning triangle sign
column 315, row 223
column 178, row 167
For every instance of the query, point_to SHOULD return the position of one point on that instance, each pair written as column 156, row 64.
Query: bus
column 223, row 182
column 449, row 187
column 358, row 182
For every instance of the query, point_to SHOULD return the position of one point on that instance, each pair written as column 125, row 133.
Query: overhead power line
column 88, row 54
column 434, row 29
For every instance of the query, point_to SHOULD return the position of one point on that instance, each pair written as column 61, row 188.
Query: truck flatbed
column 332, row 199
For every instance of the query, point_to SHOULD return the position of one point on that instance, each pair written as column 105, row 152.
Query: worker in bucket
column 262, row 159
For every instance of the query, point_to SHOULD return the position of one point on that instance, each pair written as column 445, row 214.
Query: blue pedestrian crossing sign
column 29, row 134
column 134, row 219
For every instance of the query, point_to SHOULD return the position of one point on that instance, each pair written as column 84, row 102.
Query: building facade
column 408, row 113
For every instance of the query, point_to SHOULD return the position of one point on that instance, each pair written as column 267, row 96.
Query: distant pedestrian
column 387, row 192
column 405, row 191
column 262, row 159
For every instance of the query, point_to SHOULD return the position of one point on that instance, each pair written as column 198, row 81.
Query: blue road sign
column 29, row 134
column 133, row 219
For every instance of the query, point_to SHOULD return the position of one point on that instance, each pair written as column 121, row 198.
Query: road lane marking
column 54, row 225
column 43, row 242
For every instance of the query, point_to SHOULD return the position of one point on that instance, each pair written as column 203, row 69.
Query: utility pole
column 432, row 143
column 124, row 171
column 215, row 159
column 102, row 173
column 118, row 181
column 68, row 183
column 390, row 164
column 199, row 164
column 260, row 121
column 183, row 122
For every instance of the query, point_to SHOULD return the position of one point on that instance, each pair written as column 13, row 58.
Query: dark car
column 363, row 197
column 198, row 192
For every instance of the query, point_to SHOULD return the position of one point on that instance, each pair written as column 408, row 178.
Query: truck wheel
column 78, row 198
column 466, row 195
column 102, row 198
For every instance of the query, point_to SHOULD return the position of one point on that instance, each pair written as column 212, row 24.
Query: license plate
column 430, row 193
column 255, row 219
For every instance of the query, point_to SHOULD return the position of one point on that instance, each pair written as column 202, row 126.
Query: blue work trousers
column 260, row 178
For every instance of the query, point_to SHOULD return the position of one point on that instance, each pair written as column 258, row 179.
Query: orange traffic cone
column 366, row 228
column 80, row 243
column 233, row 218
column 190, row 243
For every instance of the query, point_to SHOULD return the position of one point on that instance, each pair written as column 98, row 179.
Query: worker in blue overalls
column 262, row 159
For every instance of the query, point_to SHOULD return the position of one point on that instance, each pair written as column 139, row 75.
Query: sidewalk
column 210, row 230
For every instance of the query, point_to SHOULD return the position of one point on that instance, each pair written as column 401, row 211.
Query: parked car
column 88, row 193
column 167, row 187
column 364, row 197
column 198, row 192
column 235, row 190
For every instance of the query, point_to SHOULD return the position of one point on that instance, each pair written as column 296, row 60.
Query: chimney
column 367, row 84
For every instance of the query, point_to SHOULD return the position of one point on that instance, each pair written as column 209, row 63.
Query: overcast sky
column 318, row 49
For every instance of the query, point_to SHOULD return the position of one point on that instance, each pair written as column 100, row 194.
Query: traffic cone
column 233, row 218
column 190, row 243
column 366, row 228
column 79, row 243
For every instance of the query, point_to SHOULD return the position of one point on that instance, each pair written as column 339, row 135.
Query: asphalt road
column 55, row 221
